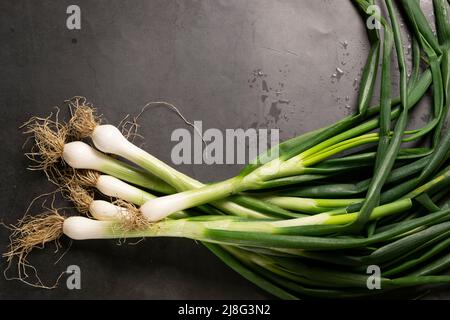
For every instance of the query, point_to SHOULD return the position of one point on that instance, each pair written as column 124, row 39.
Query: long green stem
column 159, row 208
column 370, row 71
column 309, row 205
column 388, row 154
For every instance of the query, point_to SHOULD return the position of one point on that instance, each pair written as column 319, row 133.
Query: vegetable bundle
column 296, row 222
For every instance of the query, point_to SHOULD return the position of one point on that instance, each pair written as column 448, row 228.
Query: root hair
column 84, row 118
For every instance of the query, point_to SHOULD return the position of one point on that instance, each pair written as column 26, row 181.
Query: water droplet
column 348, row 106
column 347, row 98
column 344, row 44
column 408, row 49
column 274, row 111
column 343, row 63
column 264, row 86
column 338, row 74
column 259, row 73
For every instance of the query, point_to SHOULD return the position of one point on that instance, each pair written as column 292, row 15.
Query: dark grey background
column 204, row 57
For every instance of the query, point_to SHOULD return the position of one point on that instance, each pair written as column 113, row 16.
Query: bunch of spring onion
column 306, row 220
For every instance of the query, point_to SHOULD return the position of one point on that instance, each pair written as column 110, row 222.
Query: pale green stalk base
column 127, row 173
column 309, row 205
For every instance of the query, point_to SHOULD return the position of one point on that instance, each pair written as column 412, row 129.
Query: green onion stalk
column 200, row 228
column 236, row 232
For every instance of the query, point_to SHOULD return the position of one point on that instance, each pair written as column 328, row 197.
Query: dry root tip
column 49, row 137
column 84, row 118
column 31, row 232
column 88, row 178
column 79, row 196
column 131, row 218
column 81, row 177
